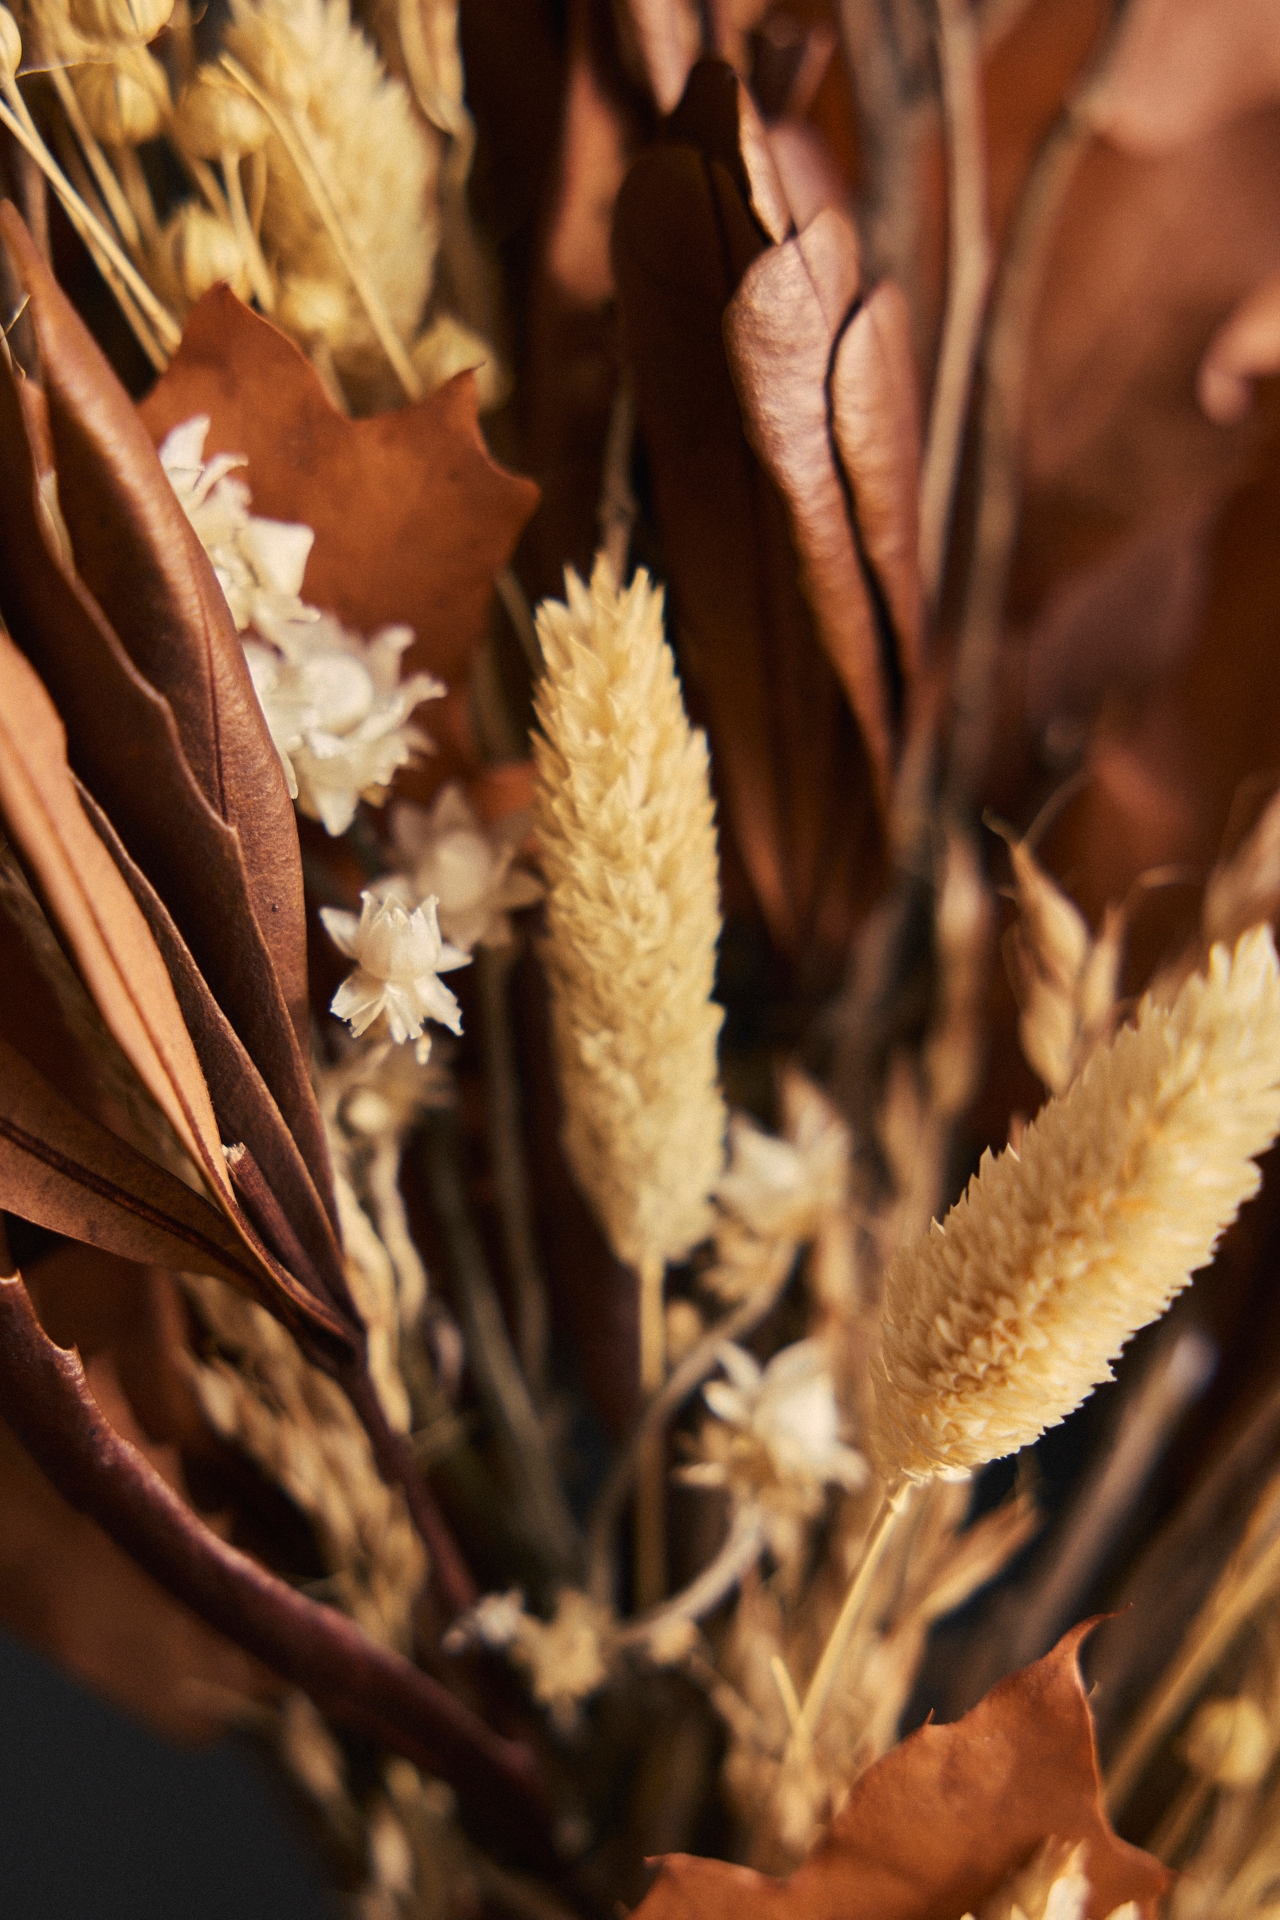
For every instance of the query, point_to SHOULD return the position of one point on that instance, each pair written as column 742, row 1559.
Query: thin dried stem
column 130, row 173
column 651, row 1478
column 1234, row 1600
column 510, row 1176
column 684, row 1380
column 516, row 606
column 264, row 291
column 293, row 137
column 1005, row 367
column 617, row 510
column 743, row 1546
column 824, row 1674
column 492, row 1359
column 100, row 167
column 968, row 278
column 116, row 268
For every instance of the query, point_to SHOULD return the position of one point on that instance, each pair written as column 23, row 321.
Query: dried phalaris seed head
column 314, row 309
column 120, row 19
column 125, row 101
column 203, row 250
column 10, row 45
column 214, row 117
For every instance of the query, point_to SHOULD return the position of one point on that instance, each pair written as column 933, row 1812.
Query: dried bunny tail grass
column 1000, row 1322
column 628, row 849
column 378, row 159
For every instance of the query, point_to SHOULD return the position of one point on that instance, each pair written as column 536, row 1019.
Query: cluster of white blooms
column 776, row 1440
column 335, row 703
column 399, row 956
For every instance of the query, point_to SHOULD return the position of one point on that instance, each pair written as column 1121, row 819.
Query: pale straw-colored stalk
column 628, row 849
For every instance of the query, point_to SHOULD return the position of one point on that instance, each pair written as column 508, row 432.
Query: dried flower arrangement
column 557, row 1410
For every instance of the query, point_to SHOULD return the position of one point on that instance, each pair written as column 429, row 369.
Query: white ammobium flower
column 334, row 702
column 999, row 1322
column 337, row 710
column 778, row 1440
column 447, row 850
column 785, row 1188
column 566, row 1658
column 399, row 956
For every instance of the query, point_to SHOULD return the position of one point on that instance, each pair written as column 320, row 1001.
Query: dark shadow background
column 102, row 1820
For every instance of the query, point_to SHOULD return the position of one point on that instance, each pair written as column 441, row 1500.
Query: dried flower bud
column 203, row 250
column 214, row 117
column 126, row 100
column 1229, row 1742
column 448, row 347
column 10, row 46
column 314, row 309
column 139, row 20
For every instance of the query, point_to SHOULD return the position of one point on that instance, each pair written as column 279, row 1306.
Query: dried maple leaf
column 934, row 1828
column 411, row 516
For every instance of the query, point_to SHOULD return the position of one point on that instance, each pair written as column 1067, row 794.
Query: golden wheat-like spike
column 628, row 849
column 377, row 159
column 1002, row 1320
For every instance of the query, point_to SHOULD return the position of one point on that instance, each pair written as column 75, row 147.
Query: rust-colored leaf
column 781, row 327
column 67, row 1589
column 937, row 1826
column 1183, row 68
column 122, row 741
column 93, row 910
column 139, row 557
column 412, row 517
column 792, row 775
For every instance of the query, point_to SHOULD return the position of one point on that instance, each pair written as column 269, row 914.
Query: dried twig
column 968, row 277
column 491, row 1357
column 684, row 1380
column 510, row 1177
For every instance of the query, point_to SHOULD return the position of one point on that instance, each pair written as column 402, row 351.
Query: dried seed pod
column 126, row 100
column 10, row 46
column 214, row 117
column 1229, row 1742
column 315, row 310
column 203, row 250
column 137, row 20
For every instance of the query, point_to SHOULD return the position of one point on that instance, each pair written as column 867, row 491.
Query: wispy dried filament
column 1000, row 1322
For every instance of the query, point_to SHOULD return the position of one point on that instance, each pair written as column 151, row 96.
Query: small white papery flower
column 784, row 1428
column 565, row 1658
column 399, row 956
column 334, row 702
column 448, row 851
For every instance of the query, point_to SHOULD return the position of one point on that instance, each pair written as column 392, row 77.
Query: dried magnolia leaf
column 92, row 908
column 937, row 1826
column 411, row 516
column 246, row 1112
column 123, row 743
column 875, row 416
column 1244, row 349
column 663, row 38
column 1184, row 67
column 781, row 327
column 67, row 1589
column 718, row 115
column 793, row 778
column 139, row 557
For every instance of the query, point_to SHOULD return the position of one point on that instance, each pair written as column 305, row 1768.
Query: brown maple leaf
column 939, row 1824
column 412, row 518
